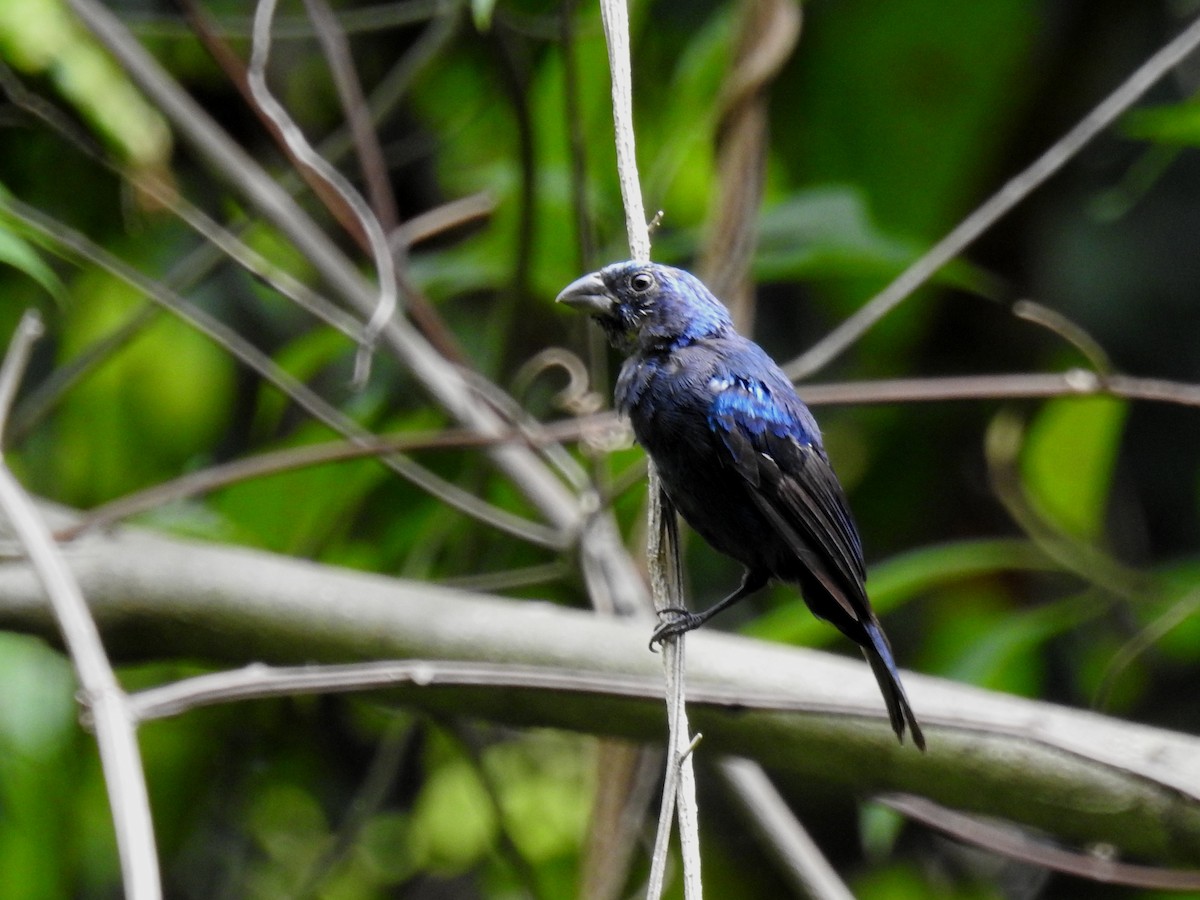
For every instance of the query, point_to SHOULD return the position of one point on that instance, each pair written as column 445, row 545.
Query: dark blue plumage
column 738, row 453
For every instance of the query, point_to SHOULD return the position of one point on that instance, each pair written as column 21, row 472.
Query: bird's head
column 647, row 307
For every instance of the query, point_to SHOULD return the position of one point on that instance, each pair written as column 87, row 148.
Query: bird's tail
column 879, row 654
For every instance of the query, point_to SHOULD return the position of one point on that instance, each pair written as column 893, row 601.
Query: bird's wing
column 774, row 445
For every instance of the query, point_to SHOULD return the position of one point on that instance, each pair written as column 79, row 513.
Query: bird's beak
column 588, row 294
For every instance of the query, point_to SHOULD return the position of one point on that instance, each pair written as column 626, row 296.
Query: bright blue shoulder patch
column 748, row 404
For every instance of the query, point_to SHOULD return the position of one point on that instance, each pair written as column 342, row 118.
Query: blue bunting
column 739, row 454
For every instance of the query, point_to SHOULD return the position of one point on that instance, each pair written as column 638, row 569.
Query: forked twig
column 679, row 784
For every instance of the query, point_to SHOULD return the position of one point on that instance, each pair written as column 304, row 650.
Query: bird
column 738, row 454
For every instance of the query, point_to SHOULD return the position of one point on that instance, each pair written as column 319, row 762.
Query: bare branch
column 28, row 330
column 1010, row 843
column 679, row 785
column 43, row 398
column 663, row 555
column 215, row 146
column 1071, row 332
column 783, row 832
column 273, row 462
column 587, row 428
column 626, row 781
column 433, row 222
column 616, row 32
column 165, row 194
column 106, row 702
column 768, row 33
column 1073, row 382
column 358, row 117
column 1080, row 775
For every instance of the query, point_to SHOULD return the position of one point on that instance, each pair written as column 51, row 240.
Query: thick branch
column 1082, row 776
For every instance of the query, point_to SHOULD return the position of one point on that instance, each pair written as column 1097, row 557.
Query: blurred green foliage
column 888, row 124
column 1068, row 461
column 41, row 38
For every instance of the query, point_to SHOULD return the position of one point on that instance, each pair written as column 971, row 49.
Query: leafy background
column 1045, row 548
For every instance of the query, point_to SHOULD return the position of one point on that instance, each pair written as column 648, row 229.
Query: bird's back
column 710, row 414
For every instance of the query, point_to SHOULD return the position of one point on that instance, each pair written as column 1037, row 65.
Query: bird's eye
column 641, row 282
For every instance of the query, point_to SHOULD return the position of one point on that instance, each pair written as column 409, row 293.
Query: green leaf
column 1068, row 458
column 454, row 822
column 39, row 741
column 17, row 252
column 988, row 643
column 1177, row 124
column 264, row 511
column 42, row 37
column 155, row 405
column 542, row 783
column 904, row 577
column 481, row 13
column 37, row 713
column 899, row 881
column 829, row 231
column 828, row 226
column 879, row 828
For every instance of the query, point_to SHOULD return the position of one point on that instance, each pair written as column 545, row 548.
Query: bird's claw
column 680, row 622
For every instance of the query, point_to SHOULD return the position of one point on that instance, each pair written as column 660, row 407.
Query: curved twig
column 304, row 153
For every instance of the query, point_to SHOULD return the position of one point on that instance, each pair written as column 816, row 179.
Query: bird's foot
column 680, row 622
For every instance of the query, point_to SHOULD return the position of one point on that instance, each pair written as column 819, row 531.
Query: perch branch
column 1081, row 776
column 679, row 789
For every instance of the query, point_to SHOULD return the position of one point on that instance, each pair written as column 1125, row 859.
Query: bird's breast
column 664, row 398
column 668, row 403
